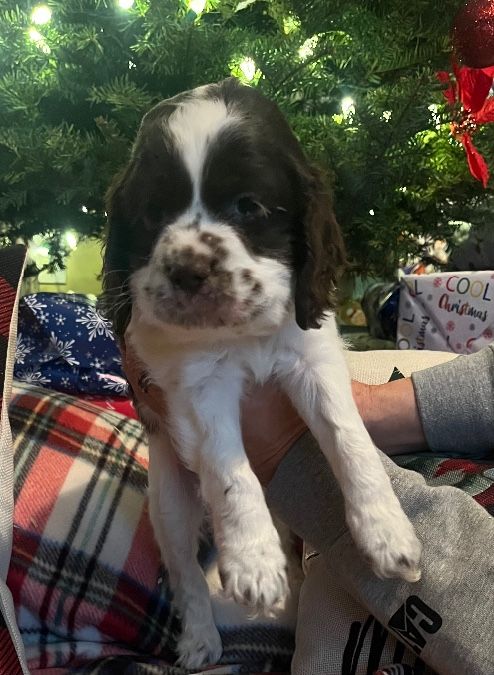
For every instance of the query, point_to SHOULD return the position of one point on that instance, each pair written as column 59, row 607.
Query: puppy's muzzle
column 187, row 278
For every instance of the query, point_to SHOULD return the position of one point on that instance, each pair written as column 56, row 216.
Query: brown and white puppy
column 221, row 260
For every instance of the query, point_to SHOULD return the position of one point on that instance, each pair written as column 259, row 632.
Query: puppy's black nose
column 186, row 278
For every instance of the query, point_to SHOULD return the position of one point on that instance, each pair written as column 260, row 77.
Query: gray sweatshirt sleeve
column 456, row 404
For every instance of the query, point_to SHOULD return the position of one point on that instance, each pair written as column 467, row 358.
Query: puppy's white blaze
column 194, row 125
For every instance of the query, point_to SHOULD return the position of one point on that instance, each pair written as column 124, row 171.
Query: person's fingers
column 142, row 386
column 270, row 424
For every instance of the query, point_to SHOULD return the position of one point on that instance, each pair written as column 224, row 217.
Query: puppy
column 220, row 267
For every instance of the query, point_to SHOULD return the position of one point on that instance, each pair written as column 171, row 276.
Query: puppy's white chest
column 181, row 366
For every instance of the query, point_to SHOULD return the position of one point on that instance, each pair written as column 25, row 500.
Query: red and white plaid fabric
column 85, row 571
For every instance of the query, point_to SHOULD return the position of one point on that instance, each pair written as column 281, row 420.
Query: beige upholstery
column 375, row 367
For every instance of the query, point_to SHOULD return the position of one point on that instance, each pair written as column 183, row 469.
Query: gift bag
column 447, row 311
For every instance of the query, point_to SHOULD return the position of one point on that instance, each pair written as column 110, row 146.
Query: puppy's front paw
column 199, row 646
column 255, row 574
column 387, row 539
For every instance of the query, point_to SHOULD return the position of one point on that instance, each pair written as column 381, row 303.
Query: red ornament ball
column 473, row 34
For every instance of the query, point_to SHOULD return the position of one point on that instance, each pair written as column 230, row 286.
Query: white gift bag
column 448, row 311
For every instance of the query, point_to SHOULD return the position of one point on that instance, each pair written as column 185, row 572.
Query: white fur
column 203, row 389
column 230, row 335
column 272, row 302
column 194, row 125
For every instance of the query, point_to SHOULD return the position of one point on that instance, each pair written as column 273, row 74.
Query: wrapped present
column 63, row 343
column 448, row 311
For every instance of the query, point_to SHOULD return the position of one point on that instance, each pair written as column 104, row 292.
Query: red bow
column 469, row 97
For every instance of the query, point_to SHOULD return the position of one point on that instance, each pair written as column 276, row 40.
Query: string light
column 386, row 115
column 41, row 14
column 197, row 6
column 348, row 106
column 125, row 4
column 371, row 212
column 36, row 36
column 248, row 68
column 435, row 115
column 70, row 239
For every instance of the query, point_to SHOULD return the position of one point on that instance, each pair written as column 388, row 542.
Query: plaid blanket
column 85, row 572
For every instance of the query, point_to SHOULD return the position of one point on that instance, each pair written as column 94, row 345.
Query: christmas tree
column 356, row 78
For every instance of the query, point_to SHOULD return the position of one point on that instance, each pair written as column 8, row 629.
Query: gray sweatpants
column 448, row 616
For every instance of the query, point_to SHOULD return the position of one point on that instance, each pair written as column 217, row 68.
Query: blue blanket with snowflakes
column 63, row 343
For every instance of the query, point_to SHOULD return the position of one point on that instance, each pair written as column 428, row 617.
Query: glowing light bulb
column 71, row 239
column 41, row 14
column 348, row 106
column 386, row 115
column 125, row 4
column 35, row 35
column 371, row 212
column 197, row 6
column 248, row 68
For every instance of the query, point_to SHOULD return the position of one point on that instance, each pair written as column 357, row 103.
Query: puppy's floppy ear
column 115, row 302
column 320, row 253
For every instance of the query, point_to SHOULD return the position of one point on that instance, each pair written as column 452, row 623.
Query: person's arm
column 391, row 415
column 448, row 408
column 455, row 401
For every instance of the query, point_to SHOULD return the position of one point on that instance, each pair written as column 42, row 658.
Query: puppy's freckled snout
column 187, row 278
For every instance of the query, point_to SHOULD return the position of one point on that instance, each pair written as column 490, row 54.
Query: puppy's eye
column 248, row 206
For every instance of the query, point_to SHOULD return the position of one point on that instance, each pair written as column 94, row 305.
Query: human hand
column 270, row 424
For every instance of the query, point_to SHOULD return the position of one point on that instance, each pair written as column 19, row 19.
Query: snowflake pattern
column 63, row 349
column 118, row 387
column 22, row 349
column 438, row 282
column 450, row 326
column 95, row 324
column 33, row 302
column 32, row 377
column 65, row 344
column 43, row 317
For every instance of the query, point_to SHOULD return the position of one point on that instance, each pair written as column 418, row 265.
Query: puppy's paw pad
column 199, row 646
column 256, row 576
